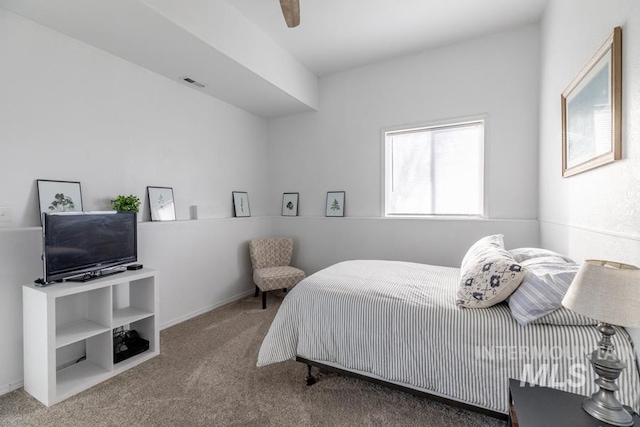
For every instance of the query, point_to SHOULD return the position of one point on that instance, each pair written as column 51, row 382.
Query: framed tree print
column 335, row 203
column 241, row 204
column 59, row 196
column 290, row 204
column 161, row 204
column 591, row 111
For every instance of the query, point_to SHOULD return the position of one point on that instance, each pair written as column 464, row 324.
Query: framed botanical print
column 591, row 111
column 241, row 204
column 290, row 204
column 59, row 196
column 161, row 204
column 335, row 203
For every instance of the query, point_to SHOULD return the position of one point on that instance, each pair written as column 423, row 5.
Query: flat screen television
column 84, row 244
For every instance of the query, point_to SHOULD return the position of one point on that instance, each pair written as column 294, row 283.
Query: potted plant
column 128, row 203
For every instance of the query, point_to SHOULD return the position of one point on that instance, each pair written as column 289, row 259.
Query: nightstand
column 533, row 406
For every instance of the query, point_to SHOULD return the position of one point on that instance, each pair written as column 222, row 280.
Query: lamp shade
column 606, row 291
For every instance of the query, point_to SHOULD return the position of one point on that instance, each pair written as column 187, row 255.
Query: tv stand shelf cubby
column 68, row 331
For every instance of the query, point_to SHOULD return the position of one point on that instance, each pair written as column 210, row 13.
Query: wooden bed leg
column 311, row 380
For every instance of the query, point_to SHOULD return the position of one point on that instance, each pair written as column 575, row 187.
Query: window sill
column 438, row 217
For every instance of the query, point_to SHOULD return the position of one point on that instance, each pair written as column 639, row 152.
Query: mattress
column 398, row 321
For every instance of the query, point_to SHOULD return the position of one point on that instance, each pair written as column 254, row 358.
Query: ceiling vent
column 191, row 81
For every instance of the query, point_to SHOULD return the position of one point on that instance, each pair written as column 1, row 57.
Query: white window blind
column 435, row 170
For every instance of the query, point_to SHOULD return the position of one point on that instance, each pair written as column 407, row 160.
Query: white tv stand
column 65, row 321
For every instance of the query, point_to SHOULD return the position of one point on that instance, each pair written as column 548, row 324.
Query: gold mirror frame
column 609, row 56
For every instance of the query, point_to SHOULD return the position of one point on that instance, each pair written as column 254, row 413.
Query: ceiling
column 336, row 35
column 244, row 54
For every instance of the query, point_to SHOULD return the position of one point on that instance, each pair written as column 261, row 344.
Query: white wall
column 339, row 147
column 71, row 112
column 320, row 242
column 595, row 214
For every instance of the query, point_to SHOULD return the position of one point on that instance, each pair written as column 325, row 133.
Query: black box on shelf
column 128, row 344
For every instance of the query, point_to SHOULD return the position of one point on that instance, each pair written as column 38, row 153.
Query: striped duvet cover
column 398, row 321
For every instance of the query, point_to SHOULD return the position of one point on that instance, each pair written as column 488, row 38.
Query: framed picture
column 335, row 203
column 241, row 204
column 591, row 111
column 290, row 204
column 59, row 196
column 161, row 204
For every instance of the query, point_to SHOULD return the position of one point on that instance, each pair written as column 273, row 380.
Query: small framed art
column 59, row 196
column 335, row 203
column 241, row 204
column 161, row 204
column 290, row 204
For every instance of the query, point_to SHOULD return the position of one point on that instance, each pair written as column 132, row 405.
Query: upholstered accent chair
column 270, row 259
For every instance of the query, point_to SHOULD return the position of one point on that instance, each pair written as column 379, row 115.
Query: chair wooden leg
column 284, row 290
column 264, row 300
column 257, row 291
column 311, row 380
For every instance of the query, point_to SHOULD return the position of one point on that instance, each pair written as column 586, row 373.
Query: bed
column 397, row 322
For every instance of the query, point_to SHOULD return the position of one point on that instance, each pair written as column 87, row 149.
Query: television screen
column 78, row 243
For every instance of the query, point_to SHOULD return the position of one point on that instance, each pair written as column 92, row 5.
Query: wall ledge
column 592, row 230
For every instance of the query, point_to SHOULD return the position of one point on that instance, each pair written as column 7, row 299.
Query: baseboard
column 8, row 388
column 206, row 309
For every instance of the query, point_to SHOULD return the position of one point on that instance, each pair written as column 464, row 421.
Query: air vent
column 191, row 81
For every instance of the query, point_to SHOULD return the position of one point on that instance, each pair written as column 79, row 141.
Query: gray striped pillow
column 565, row 317
column 546, row 280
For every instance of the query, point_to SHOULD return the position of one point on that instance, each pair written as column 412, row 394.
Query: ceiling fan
column 291, row 12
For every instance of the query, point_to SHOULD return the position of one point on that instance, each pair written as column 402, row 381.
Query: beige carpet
column 206, row 376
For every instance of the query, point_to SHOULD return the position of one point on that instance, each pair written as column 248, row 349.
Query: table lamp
column 608, row 292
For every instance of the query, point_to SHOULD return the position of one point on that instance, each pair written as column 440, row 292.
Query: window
column 435, row 170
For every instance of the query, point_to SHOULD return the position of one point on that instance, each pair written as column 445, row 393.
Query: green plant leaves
column 128, row 203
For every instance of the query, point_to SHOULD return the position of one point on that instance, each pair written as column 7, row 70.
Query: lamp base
column 603, row 405
column 616, row 417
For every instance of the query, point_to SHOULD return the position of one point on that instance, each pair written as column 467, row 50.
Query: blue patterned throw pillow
column 488, row 275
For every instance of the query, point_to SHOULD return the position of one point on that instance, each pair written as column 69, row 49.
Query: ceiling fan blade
column 291, row 12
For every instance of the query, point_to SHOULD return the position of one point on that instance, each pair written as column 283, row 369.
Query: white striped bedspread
column 399, row 321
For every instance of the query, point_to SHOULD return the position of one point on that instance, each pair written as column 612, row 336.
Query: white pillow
column 525, row 254
column 488, row 274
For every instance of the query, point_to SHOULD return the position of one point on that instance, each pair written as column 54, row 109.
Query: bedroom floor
column 206, row 375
